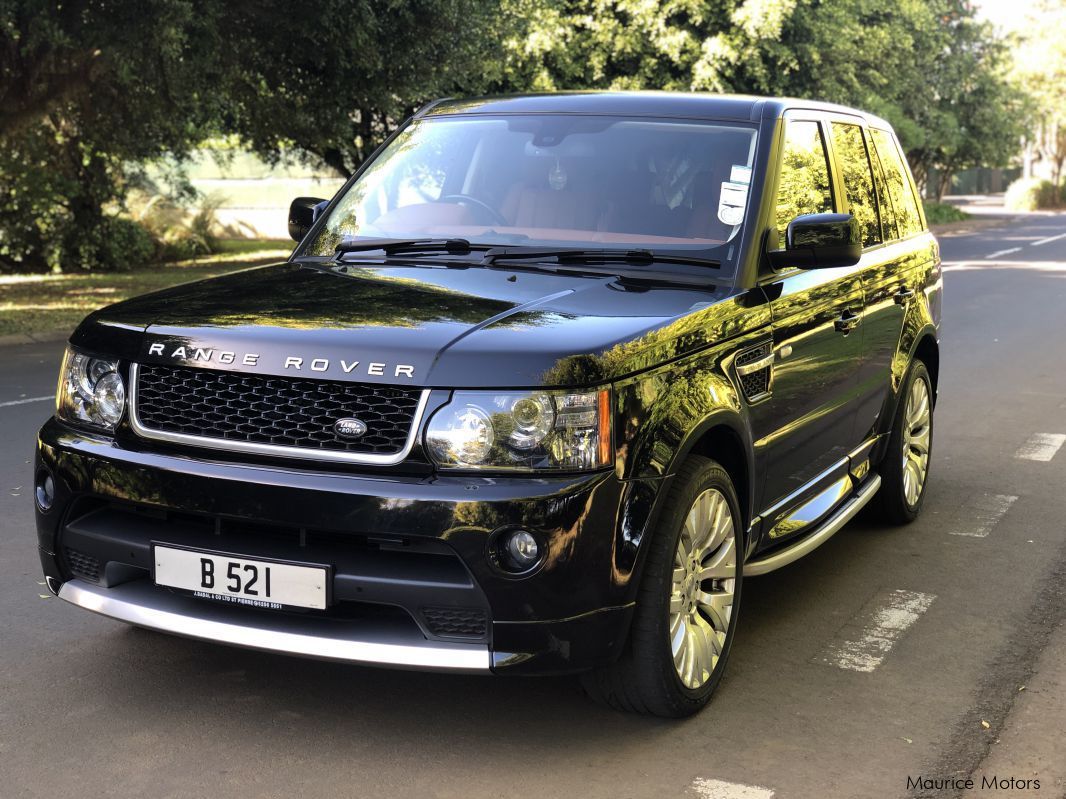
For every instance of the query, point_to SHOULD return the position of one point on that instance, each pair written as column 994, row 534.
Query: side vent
column 755, row 371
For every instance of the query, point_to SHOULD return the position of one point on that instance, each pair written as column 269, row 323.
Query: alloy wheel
column 917, row 434
column 704, row 581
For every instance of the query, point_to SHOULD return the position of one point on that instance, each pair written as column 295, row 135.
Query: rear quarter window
column 900, row 188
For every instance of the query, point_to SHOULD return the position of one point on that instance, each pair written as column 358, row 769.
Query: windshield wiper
column 583, row 256
column 398, row 246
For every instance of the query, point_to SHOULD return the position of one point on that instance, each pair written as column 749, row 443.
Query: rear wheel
column 905, row 468
column 687, row 605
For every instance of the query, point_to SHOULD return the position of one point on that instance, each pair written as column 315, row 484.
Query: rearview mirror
column 819, row 241
column 302, row 215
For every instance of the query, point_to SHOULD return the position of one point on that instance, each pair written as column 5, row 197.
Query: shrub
column 942, row 213
column 1031, row 194
column 114, row 244
column 178, row 233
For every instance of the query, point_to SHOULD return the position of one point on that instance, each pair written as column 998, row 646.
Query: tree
column 91, row 89
column 927, row 66
column 1041, row 69
column 334, row 83
column 94, row 89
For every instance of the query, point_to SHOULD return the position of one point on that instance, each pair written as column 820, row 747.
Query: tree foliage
column 928, row 66
column 91, row 90
column 1041, row 68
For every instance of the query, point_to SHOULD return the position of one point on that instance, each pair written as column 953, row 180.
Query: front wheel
column 905, row 468
column 687, row 604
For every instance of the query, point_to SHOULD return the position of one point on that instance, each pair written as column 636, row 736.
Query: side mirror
column 819, row 241
column 302, row 214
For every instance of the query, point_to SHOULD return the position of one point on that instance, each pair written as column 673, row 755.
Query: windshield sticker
column 740, row 174
column 731, row 204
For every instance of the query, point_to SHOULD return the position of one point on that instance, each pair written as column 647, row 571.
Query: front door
column 805, row 428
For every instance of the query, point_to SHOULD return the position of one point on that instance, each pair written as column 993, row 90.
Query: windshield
column 552, row 180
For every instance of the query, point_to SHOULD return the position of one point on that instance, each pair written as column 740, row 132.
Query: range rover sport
column 536, row 391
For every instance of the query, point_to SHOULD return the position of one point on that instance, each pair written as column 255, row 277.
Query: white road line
column 986, row 510
column 877, row 630
column 1048, row 240
column 717, row 789
column 1041, row 447
column 26, row 401
column 1003, row 252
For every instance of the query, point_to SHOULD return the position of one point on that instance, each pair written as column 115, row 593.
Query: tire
column 645, row 678
column 897, row 502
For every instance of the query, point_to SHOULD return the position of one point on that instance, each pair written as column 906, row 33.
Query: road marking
column 718, row 789
column 1003, row 252
column 26, row 401
column 874, row 632
column 1048, row 240
column 1041, row 447
column 987, row 510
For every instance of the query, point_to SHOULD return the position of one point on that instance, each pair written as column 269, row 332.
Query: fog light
column 519, row 551
column 45, row 492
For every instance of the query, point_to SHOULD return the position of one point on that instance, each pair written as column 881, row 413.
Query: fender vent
column 754, row 369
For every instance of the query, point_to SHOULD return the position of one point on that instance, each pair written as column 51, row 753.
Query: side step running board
column 844, row 514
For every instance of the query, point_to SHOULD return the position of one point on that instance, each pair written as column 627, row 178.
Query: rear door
column 891, row 268
column 805, row 428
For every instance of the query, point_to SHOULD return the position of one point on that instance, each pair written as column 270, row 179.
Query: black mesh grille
column 283, row 411
column 458, row 622
column 755, row 384
column 83, row 565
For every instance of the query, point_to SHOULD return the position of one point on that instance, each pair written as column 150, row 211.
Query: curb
column 46, row 337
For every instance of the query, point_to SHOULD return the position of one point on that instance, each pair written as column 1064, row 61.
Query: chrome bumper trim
column 142, row 604
column 811, row 542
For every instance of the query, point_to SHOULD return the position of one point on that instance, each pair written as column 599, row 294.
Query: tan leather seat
column 533, row 203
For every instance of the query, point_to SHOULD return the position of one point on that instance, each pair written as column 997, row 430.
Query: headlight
column 90, row 391
column 524, row 430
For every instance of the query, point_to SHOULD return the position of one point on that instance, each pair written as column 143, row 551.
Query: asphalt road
column 945, row 620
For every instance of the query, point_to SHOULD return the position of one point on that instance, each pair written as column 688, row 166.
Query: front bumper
column 410, row 560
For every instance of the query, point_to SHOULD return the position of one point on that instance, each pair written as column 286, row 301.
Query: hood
column 430, row 326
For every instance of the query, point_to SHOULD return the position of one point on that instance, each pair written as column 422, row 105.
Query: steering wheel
column 465, row 199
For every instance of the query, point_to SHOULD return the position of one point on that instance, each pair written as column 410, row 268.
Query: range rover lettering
column 536, row 392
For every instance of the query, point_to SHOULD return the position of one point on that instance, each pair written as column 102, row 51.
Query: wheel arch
column 722, row 441
column 927, row 350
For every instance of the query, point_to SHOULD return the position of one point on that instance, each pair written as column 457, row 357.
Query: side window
column 889, row 223
column 854, row 164
column 804, row 187
column 899, row 184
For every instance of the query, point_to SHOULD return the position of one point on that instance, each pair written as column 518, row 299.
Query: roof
column 686, row 105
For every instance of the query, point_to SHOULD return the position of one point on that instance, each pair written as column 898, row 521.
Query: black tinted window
column 854, row 165
column 899, row 184
column 804, row 187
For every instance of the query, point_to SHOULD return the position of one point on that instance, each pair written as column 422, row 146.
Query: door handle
column 903, row 296
column 847, row 322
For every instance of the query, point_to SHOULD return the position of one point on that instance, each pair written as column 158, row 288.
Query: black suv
column 535, row 392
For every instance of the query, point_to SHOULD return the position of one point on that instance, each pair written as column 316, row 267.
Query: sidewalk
column 1032, row 745
column 34, row 338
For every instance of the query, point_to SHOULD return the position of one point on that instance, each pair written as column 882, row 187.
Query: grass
column 942, row 213
column 46, row 303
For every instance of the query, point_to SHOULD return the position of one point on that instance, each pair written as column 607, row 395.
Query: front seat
column 534, row 203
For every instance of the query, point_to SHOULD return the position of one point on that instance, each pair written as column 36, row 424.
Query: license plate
column 240, row 580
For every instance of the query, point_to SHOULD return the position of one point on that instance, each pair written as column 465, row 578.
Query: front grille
column 83, row 565
column 455, row 622
column 277, row 411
